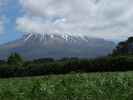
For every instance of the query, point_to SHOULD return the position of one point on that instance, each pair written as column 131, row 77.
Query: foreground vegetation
column 64, row 66
column 92, row 86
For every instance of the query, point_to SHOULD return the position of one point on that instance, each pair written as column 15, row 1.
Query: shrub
column 15, row 59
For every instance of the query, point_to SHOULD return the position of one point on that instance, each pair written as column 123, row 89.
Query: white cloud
column 100, row 18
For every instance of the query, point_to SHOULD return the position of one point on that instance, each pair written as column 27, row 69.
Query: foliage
column 33, row 68
column 124, row 47
column 15, row 59
column 93, row 86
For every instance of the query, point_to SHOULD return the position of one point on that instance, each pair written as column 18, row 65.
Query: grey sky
column 108, row 19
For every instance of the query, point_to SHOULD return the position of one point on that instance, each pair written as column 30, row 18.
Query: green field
column 92, row 86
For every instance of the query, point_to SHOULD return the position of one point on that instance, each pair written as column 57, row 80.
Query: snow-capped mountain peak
column 33, row 46
column 54, row 36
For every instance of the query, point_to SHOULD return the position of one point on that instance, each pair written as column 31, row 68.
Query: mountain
column 33, row 46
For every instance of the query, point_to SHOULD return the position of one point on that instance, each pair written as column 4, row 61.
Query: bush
column 50, row 66
column 15, row 60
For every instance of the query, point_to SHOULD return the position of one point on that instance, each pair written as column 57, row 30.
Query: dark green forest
column 121, row 59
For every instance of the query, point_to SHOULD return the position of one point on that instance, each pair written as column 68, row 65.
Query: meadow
column 72, row 86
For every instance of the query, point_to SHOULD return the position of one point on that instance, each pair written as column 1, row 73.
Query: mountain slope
column 33, row 46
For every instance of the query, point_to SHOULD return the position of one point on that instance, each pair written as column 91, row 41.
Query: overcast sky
column 109, row 19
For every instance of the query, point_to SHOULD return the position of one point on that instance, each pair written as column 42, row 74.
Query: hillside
column 33, row 46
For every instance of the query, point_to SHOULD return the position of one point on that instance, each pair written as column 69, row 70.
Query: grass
column 74, row 86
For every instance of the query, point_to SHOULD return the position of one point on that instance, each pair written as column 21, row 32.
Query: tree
column 124, row 47
column 15, row 59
